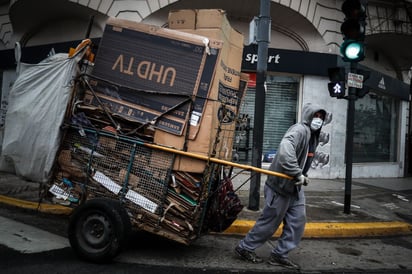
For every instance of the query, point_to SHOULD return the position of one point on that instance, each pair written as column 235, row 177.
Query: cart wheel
column 98, row 230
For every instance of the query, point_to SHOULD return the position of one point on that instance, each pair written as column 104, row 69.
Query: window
column 376, row 129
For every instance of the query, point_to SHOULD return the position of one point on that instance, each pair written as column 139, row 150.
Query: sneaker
column 247, row 255
column 285, row 262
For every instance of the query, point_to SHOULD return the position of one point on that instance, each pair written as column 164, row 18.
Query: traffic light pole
column 353, row 50
column 260, row 95
column 350, row 128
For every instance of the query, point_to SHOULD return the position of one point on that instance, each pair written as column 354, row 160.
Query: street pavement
column 378, row 206
column 334, row 242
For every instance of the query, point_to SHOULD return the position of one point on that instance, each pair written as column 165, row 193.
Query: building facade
column 305, row 40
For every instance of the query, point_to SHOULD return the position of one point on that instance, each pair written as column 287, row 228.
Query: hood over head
column 309, row 110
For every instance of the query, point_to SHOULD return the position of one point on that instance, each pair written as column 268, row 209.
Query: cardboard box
column 212, row 23
column 196, row 19
column 150, row 65
column 216, row 133
column 134, row 112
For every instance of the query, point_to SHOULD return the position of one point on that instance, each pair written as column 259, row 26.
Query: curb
column 241, row 227
column 334, row 229
column 44, row 208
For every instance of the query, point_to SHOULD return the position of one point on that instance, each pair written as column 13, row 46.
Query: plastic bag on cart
column 37, row 105
column 225, row 206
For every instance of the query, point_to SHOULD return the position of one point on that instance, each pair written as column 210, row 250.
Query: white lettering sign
column 272, row 59
column 355, row 80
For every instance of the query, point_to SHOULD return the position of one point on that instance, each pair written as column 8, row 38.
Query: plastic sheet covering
column 37, row 105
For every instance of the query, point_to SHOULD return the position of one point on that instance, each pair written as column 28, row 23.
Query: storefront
column 298, row 59
column 295, row 78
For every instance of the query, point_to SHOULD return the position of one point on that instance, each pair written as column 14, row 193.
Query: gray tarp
column 37, row 105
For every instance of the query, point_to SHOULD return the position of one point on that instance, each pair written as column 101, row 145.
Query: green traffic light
column 352, row 51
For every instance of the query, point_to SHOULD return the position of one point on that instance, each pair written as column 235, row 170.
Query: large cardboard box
column 216, row 133
column 154, row 69
column 204, row 19
column 210, row 141
column 214, row 24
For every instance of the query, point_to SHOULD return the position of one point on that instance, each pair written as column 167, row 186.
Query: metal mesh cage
column 99, row 164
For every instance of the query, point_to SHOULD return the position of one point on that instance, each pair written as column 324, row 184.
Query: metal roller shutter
column 280, row 110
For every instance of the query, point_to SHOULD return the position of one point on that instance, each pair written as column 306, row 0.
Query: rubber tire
column 98, row 230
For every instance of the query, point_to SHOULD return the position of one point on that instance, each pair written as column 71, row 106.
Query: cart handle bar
column 218, row 161
column 201, row 157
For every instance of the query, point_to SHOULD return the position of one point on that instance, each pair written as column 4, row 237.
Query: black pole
column 89, row 27
column 263, row 29
column 350, row 127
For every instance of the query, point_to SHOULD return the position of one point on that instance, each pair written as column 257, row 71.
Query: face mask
column 316, row 123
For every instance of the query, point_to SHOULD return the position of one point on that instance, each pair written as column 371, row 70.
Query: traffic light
column 336, row 89
column 336, row 86
column 352, row 51
column 353, row 30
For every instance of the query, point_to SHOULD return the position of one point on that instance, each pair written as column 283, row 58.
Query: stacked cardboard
column 185, row 84
column 154, row 70
column 213, row 136
column 185, row 81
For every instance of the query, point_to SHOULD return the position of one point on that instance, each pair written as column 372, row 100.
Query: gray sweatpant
column 290, row 210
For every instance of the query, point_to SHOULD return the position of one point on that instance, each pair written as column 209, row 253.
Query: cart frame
column 117, row 182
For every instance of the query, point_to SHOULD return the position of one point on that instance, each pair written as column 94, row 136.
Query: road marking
column 340, row 204
column 28, row 239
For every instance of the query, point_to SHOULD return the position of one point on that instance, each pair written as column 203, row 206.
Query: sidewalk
column 379, row 207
